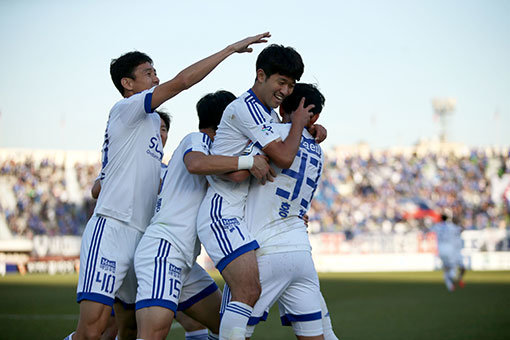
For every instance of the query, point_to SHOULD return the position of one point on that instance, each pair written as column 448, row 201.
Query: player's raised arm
column 196, row 72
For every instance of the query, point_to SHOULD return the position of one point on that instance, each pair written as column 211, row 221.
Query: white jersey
column 180, row 197
column 244, row 121
column 274, row 211
column 131, row 161
column 448, row 237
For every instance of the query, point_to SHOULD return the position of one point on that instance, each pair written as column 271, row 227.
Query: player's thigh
column 207, row 311
column 242, row 275
column 201, row 298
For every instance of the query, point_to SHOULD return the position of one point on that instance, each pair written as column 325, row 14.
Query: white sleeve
column 245, row 119
column 135, row 108
column 197, row 141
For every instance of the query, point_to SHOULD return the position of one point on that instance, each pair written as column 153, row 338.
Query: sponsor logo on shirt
column 230, row 223
column 174, row 271
column 153, row 149
column 108, row 265
column 267, row 129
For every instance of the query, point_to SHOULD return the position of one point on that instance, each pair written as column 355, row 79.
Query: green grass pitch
column 362, row 306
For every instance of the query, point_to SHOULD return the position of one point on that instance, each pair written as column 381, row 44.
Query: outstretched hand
column 243, row 46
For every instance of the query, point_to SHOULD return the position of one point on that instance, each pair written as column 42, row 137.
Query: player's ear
column 261, row 75
column 314, row 118
column 127, row 83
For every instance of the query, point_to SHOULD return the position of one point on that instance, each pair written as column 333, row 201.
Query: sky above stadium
column 378, row 63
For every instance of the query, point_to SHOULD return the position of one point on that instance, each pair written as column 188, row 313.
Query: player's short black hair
column 312, row 96
column 124, row 66
column 210, row 108
column 165, row 117
column 282, row 60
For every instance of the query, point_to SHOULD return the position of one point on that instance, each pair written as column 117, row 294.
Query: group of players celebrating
column 241, row 187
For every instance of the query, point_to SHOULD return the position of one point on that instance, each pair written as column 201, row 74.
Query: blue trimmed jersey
column 274, row 211
column 177, row 204
column 244, row 121
column 131, row 162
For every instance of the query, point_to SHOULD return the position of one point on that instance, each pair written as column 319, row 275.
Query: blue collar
column 268, row 111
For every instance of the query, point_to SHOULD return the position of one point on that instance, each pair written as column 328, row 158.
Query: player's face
column 275, row 89
column 163, row 131
column 144, row 77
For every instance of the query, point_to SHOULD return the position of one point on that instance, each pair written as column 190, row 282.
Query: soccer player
column 221, row 225
column 193, row 329
column 132, row 153
column 168, row 276
column 274, row 215
column 449, row 245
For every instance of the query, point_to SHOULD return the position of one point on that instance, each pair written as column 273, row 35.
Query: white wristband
column 244, row 162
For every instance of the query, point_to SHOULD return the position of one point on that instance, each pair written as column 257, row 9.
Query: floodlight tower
column 443, row 107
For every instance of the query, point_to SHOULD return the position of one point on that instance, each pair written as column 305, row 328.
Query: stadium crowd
column 45, row 197
column 375, row 193
column 357, row 194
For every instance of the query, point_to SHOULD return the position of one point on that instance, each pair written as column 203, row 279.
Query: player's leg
column 124, row 306
column 327, row 327
column 275, row 277
column 194, row 330
column 103, row 268
column 159, row 271
column 300, row 304
column 92, row 321
column 111, row 328
column 126, row 320
column 223, row 233
column 201, row 300
column 242, row 277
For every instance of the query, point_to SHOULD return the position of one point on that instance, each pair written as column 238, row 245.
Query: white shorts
column 107, row 251
column 165, row 280
column 197, row 286
column 291, row 279
column 160, row 270
column 222, row 230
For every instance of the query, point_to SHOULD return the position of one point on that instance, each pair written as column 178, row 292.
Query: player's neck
column 208, row 131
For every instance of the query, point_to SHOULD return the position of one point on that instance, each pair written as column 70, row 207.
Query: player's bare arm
column 258, row 171
column 199, row 163
column 282, row 153
column 196, row 72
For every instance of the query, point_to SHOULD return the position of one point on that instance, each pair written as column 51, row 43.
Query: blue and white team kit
column 221, row 224
column 165, row 266
column 132, row 153
column 274, row 214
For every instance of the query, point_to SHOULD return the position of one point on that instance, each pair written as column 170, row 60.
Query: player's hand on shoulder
column 261, row 169
column 244, row 45
column 319, row 132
